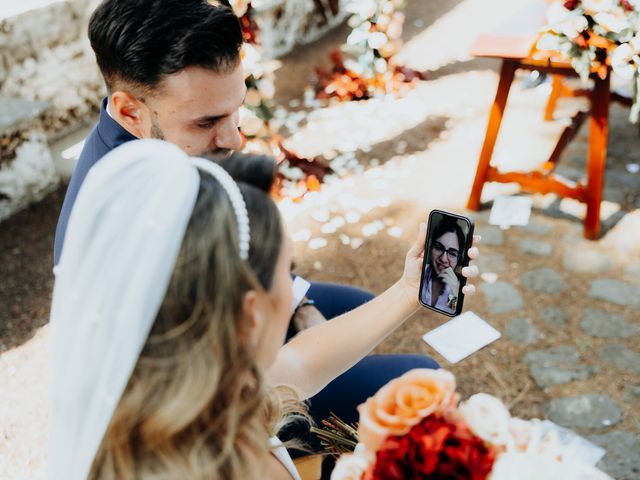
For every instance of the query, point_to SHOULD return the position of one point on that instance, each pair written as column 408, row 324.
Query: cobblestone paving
column 607, row 315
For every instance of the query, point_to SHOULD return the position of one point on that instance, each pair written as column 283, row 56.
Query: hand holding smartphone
column 449, row 237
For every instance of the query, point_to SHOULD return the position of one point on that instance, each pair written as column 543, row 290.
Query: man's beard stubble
column 156, row 131
column 218, row 153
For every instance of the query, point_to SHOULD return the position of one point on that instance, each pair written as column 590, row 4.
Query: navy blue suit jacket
column 104, row 137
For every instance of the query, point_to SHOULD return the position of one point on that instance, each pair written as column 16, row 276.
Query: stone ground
column 568, row 309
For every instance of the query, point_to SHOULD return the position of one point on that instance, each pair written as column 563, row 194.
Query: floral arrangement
column 364, row 70
column 367, row 69
column 415, row 427
column 259, row 123
column 596, row 35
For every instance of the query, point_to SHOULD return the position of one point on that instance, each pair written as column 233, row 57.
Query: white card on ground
column 507, row 211
column 300, row 288
column 461, row 336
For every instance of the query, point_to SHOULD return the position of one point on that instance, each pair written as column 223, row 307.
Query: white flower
column 267, row 88
column 240, row 7
column 253, row 98
column 597, row 6
column 249, row 123
column 621, row 61
column 566, row 22
column 358, row 35
column 548, row 41
column 250, row 59
column 351, row 466
column 487, row 417
column 635, row 43
column 362, row 8
column 612, row 22
column 377, row 40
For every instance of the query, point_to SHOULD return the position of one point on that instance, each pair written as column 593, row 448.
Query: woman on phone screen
column 441, row 283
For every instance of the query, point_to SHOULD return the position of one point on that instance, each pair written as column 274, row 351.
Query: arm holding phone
column 316, row 356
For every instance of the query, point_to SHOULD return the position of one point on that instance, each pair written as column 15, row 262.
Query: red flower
column 435, row 448
column 626, row 4
column 571, row 4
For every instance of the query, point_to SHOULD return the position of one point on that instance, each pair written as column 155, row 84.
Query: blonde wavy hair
column 196, row 405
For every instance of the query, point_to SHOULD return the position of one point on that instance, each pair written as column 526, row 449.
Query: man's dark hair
column 139, row 42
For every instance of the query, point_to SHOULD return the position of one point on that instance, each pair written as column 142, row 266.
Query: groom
column 173, row 71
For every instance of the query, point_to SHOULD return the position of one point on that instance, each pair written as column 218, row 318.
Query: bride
column 170, row 309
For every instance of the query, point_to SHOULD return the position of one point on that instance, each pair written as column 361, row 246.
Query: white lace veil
column 132, row 210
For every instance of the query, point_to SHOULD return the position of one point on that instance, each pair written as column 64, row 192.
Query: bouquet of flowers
column 596, row 35
column 415, row 428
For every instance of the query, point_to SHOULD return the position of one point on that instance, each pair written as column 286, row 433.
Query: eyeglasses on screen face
column 452, row 253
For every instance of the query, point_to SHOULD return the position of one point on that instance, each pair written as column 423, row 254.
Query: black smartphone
column 449, row 237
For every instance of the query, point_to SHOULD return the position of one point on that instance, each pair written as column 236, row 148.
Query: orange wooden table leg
column 597, row 155
column 507, row 73
column 556, row 91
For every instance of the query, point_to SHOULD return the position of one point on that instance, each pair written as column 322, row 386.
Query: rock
column 599, row 323
column 495, row 263
column 622, row 460
column 535, row 247
column 616, row 291
column 621, row 357
column 16, row 112
column 632, row 393
column 490, row 235
column 557, row 365
column 501, row 297
column 585, row 259
column 622, row 239
column 584, row 411
column 554, row 316
column 523, row 331
column 545, row 280
column 537, row 228
column 632, row 270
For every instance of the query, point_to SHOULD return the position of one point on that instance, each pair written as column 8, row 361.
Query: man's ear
column 250, row 330
column 130, row 113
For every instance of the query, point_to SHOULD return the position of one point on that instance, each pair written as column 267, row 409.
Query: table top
column 515, row 39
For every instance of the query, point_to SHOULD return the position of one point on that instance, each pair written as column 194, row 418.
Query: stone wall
column 49, row 86
column 285, row 23
column 44, row 56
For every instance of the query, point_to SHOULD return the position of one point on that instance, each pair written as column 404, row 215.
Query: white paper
column 507, row 211
column 461, row 336
column 300, row 288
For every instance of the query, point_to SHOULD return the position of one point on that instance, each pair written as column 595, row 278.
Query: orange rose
column 403, row 402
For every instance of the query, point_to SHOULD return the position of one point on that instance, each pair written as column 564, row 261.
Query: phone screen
column 449, row 237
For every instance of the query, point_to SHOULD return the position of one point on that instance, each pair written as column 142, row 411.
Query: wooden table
column 514, row 52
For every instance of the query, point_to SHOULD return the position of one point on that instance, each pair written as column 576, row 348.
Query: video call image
column 441, row 284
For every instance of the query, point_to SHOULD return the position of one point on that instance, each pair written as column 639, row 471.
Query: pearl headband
column 235, row 196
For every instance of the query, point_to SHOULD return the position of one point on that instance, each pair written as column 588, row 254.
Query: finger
column 476, row 239
column 470, row 271
column 417, row 248
column 473, row 253
column 445, row 275
column 469, row 289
